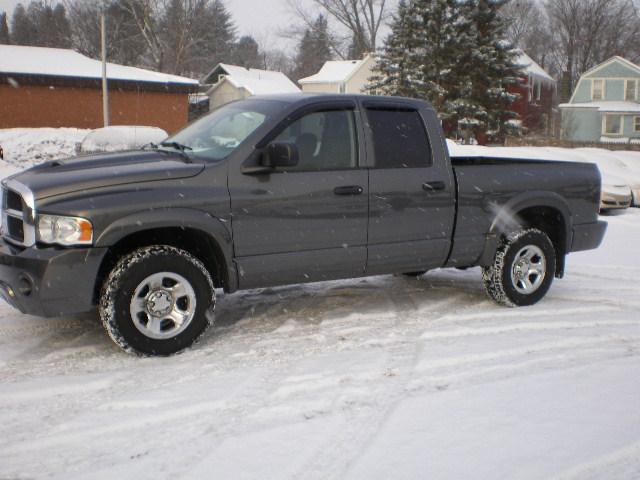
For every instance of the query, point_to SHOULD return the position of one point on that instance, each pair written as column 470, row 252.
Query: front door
column 307, row 222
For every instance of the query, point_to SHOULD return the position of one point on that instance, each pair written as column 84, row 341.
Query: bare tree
column 145, row 15
column 587, row 32
column 361, row 21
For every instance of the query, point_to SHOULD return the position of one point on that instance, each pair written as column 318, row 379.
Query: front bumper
column 588, row 236
column 49, row 281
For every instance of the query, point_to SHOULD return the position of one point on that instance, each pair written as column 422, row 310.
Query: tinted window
column 325, row 141
column 399, row 139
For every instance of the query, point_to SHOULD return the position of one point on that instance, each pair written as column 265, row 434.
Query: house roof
column 58, row 62
column 615, row 58
column 335, row 71
column 255, row 81
column 622, row 107
column 531, row 68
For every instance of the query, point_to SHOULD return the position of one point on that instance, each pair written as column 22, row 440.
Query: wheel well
column 198, row 243
column 551, row 222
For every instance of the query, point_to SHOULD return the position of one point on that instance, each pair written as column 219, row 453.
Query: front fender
column 217, row 228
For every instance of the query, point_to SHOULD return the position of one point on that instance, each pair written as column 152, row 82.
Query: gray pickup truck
column 281, row 190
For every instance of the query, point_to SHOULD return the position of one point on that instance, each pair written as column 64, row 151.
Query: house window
column 538, row 91
column 636, row 125
column 630, row 90
column 613, row 125
column 597, row 90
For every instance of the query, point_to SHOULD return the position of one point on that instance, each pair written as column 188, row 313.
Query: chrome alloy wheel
column 528, row 270
column 163, row 305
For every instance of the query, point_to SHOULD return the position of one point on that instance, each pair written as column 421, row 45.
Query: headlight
column 64, row 230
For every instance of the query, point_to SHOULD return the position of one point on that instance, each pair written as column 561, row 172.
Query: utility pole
column 105, row 89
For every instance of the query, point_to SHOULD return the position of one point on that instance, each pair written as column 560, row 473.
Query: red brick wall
column 41, row 106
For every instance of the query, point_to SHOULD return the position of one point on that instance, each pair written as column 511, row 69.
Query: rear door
column 307, row 222
column 411, row 190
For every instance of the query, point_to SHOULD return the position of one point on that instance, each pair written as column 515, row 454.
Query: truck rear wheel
column 523, row 269
column 156, row 299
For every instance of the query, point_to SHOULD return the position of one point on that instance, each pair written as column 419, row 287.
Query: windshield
column 217, row 135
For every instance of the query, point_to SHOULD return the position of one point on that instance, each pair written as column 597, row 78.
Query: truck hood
column 94, row 171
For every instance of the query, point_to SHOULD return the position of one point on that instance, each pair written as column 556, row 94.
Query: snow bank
column 117, row 138
column 25, row 147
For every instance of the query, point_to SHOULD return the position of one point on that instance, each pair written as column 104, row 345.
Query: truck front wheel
column 156, row 300
column 523, row 269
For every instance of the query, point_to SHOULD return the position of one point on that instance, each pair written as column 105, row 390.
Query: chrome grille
column 18, row 214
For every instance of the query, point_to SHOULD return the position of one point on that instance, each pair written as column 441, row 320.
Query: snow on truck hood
column 102, row 170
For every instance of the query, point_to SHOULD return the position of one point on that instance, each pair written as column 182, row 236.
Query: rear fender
column 506, row 220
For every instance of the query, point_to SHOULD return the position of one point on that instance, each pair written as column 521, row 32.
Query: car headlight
column 64, row 230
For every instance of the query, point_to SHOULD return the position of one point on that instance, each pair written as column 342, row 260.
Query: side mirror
column 280, row 155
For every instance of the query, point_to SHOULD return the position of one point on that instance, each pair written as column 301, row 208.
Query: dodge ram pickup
column 282, row 190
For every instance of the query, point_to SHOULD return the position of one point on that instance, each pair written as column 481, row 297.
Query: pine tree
column 313, row 50
column 23, row 31
column 442, row 32
column 489, row 69
column 62, row 39
column 246, row 53
column 5, row 39
column 452, row 53
column 392, row 73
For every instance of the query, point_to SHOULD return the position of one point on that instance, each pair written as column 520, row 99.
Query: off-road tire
column 498, row 277
column 120, row 285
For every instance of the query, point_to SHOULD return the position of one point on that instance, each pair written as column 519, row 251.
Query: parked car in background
column 121, row 137
column 615, row 195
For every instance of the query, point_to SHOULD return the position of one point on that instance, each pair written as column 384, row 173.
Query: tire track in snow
column 341, row 448
column 526, row 327
column 622, row 463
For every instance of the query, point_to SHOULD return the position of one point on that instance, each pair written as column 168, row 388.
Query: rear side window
column 399, row 138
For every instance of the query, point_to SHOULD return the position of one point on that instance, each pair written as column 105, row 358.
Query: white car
column 121, row 137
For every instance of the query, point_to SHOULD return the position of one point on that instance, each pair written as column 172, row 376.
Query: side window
column 399, row 139
column 325, row 140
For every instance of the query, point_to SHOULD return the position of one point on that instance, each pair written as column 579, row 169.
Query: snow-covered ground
column 385, row 377
column 378, row 378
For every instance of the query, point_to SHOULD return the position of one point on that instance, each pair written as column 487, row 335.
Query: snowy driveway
column 387, row 377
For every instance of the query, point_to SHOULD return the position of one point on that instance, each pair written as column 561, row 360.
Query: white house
column 231, row 82
column 346, row 76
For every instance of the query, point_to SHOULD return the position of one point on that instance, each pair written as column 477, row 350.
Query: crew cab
column 280, row 190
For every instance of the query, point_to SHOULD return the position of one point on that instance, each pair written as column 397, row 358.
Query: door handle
column 348, row 190
column 433, row 186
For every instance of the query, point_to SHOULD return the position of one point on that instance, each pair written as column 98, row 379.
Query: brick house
column 52, row 87
column 537, row 93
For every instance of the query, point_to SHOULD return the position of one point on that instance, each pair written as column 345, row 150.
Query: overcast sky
column 263, row 19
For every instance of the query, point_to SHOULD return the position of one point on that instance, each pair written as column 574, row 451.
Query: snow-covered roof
column 59, row 62
column 532, row 68
column 335, row 71
column 615, row 58
column 255, row 81
column 627, row 107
